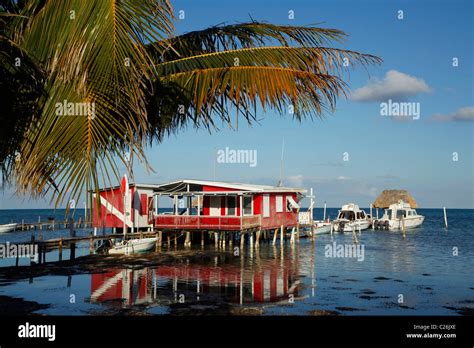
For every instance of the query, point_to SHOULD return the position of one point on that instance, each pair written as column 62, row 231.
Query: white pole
column 324, row 216
column 85, row 213
column 311, row 204
column 445, row 217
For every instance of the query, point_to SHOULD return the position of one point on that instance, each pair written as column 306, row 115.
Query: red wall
column 275, row 220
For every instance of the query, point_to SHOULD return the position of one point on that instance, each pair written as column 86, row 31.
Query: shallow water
column 416, row 275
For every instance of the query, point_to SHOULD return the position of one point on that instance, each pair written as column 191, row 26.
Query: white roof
column 233, row 185
column 230, row 185
column 350, row 207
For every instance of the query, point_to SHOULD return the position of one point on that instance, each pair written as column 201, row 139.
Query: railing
column 304, row 218
column 207, row 222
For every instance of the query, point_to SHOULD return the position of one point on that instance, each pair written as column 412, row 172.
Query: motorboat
column 398, row 216
column 8, row 227
column 133, row 246
column 351, row 218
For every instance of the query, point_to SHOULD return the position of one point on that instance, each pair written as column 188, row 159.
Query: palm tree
column 144, row 83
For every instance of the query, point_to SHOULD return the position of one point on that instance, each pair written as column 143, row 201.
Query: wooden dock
column 53, row 225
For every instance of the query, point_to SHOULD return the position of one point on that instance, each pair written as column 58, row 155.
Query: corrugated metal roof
column 221, row 184
column 234, row 185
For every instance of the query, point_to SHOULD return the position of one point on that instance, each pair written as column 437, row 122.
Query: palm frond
column 247, row 35
column 94, row 52
column 211, row 91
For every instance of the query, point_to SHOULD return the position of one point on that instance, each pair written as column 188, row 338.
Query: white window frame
column 268, row 206
column 279, row 198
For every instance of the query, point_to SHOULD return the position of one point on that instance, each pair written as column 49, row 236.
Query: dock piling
column 445, row 218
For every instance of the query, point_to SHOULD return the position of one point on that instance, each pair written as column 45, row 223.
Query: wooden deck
column 194, row 222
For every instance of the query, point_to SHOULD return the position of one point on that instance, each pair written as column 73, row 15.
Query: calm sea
column 429, row 272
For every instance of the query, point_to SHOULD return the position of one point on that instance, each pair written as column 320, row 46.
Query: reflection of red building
column 273, row 281
column 128, row 286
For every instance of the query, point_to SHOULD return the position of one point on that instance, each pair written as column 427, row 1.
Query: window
column 248, row 205
column 401, row 213
column 279, row 204
column 231, row 206
column 266, row 205
column 289, row 208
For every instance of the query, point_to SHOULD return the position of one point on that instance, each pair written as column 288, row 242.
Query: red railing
column 207, row 222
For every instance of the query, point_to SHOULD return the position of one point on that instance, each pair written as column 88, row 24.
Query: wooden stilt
column 202, row 239
column 242, row 240
column 187, row 242
column 275, row 236
column 160, row 238
column 60, row 247
column 91, row 244
column 282, row 235
column 257, row 241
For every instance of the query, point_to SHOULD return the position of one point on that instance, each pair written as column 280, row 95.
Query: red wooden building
column 199, row 205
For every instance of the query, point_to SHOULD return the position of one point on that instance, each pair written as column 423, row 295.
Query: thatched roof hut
column 388, row 197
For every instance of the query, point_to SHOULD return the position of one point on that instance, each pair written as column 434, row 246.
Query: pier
column 52, row 225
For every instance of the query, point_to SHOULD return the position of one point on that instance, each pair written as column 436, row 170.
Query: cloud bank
column 395, row 85
column 465, row 114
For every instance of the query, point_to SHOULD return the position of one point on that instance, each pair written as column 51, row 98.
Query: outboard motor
column 104, row 246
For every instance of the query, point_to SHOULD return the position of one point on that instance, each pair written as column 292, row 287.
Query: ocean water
column 429, row 272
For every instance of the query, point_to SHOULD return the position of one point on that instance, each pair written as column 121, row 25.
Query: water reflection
column 256, row 278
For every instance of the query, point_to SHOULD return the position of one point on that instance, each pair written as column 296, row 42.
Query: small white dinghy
column 8, row 228
column 133, row 246
column 321, row 227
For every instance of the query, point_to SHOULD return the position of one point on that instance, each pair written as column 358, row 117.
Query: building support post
column 282, row 235
column 187, row 242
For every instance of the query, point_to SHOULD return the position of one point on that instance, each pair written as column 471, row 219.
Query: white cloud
column 395, row 85
column 343, row 178
column 465, row 114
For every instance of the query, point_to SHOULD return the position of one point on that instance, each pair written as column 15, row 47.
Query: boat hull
column 322, row 228
column 8, row 228
column 409, row 222
column 351, row 226
column 133, row 246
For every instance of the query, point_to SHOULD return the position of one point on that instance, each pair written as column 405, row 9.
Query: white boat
column 351, row 218
column 133, row 246
column 8, row 228
column 400, row 215
column 321, row 227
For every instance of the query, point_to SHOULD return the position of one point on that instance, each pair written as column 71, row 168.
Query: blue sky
column 384, row 152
